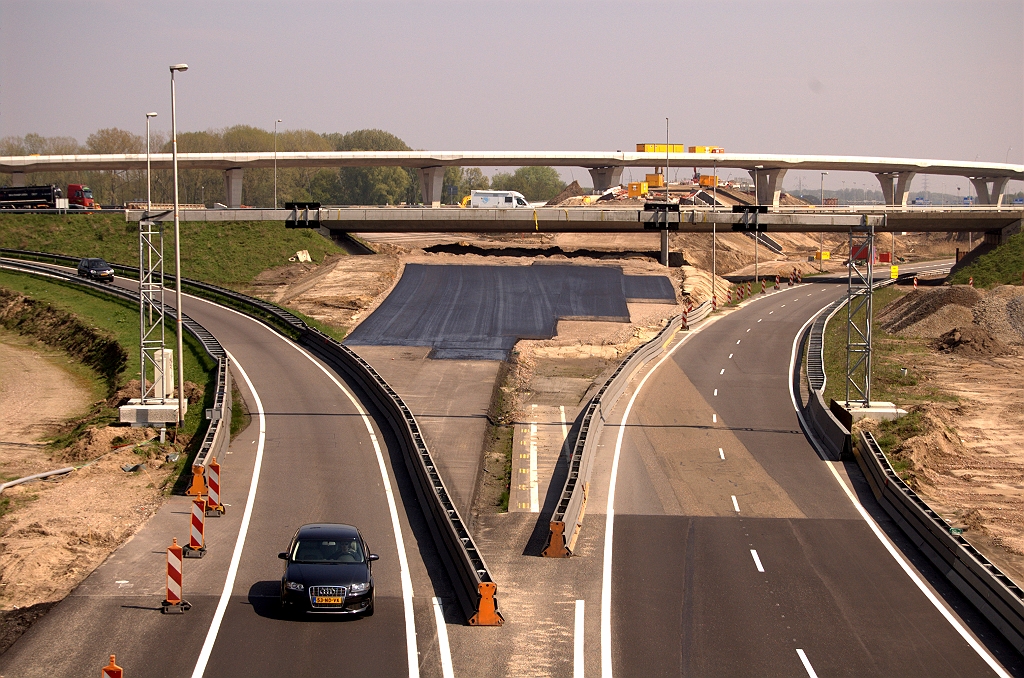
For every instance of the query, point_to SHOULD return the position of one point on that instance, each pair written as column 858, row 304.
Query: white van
column 498, row 199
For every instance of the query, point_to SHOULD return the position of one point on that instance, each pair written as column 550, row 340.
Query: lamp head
column 279, row 120
column 179, row 67
column 150, row 115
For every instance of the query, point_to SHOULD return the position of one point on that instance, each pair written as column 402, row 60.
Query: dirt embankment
column 964, row 451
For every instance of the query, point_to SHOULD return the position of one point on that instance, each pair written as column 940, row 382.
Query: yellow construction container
column 655, row 180
column 660, row 148
column 706, row 149
column 708, row 180
column 637, row 189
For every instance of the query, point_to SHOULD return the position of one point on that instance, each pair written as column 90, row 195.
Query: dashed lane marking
column 721, row 453
column 735, row 504
column 723, row 371
column 757, row 561
column 805, row 661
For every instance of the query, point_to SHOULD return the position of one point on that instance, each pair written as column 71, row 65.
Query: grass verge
column 1002, row 266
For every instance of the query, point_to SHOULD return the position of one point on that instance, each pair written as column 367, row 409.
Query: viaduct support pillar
column 895, row 195
column 605, row 177
column 989, row 189
column 233, row 187
column 18, row 179
column 664, row 248
column 431, row 181
column 769, row 185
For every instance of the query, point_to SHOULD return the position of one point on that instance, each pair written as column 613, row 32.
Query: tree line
column 330, row 186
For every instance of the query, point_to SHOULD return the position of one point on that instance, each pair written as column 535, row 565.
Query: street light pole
column 275, row 161
column 149, row 183
column 181, row 68
column 821, row 235
column 757, row 203
column 714, row 240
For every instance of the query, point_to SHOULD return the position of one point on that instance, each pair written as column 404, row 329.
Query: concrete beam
column 18, row 179
column 233, row 187
column 606, row 177
column 769, row 185
column 895, row 186
column 990, row 189
column 431, row 181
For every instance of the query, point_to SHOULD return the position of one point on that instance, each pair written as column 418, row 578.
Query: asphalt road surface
column 479, row 312
column 735, row 550
column 317, row 462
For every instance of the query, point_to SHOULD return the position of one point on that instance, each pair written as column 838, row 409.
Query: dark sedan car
column 96, row 269
column 328, row 570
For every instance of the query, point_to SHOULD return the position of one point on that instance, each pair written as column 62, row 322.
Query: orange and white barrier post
column 198, row 486
column 970, row 281
column 762, row 287
column 915, row 282
column 173, row 604
column 714, row 303
column 750, row 286
column 777, row 281
column 799, row 276
column 729, row 297
column 112, row 670
column 197, row 531
column 213, row 505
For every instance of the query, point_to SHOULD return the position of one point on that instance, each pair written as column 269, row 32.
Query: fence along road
column 318, row 464
column 731, row 533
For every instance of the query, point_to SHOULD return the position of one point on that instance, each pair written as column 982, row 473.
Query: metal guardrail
column 218, row 433
column 567, row 518
column 475, row 588
column 993, row 593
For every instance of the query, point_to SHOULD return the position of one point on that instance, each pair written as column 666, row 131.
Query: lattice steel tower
column 858, row 315
column 154, row 358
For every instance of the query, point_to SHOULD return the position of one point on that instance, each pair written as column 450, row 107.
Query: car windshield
column 339, row 550
column 88, row 192
column 99, row 263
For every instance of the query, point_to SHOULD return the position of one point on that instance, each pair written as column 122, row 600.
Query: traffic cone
column 112, row 670
column 198, row 486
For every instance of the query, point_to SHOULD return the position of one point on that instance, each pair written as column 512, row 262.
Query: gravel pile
column 1001, row 312
column 940, row 322
column 920, row 304
column 970, row 341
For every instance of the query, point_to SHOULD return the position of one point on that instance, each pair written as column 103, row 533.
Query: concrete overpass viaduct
column 767, row 171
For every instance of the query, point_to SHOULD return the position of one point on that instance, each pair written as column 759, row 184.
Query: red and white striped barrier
column 197, row 531
column 173, row 604
column 714, row 303
column 777, row 281
column 728, row 298
column 749, row 287
column 112, row 670
column 213, row 505
column 970, row 282
column 799, row 277
column 790, row 280
column 762, row 287
column 915, row 282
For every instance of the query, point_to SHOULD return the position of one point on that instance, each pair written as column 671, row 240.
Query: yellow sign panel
column 823, row 255
column 894, row 272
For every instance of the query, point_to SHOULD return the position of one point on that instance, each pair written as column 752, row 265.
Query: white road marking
column 403, row 561
column 757, row 561
column 735, row 504
column 721, row 453
column 534, row 492
column 609, row 524
column 737, row 342
column 578, row 658
column 723, row 371
column 447, row 671
column 565, row 429
column 975, row 645
column 730, row 356
column 748, row 329
column 770, row 312
column 714, row 418
column 236, row 555
column 716, row 391
column 806, row 662
column 759, row 319
column 784, row 306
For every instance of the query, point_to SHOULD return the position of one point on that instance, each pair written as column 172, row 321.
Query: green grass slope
column 224, row 253
column 1002, row 266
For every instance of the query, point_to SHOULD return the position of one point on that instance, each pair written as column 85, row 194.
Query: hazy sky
column 914, row 79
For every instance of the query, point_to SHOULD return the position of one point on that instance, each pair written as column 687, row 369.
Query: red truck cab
column 80, row 195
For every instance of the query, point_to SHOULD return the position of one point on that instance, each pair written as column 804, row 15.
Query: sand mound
column 573, row 190
column 940, row 322
column 919, row 304
column 971, row 340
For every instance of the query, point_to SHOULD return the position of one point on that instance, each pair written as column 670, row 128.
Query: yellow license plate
column 328, row 600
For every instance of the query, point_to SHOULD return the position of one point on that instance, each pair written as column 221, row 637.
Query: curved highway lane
column 735, row 551
column 317, row 457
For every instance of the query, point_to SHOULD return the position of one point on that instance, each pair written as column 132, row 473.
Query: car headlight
column 359, row 588
column 294, row 586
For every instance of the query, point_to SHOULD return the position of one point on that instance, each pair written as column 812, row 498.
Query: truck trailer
column 79, row 196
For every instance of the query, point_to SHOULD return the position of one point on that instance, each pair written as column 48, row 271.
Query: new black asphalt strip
column 478, row 312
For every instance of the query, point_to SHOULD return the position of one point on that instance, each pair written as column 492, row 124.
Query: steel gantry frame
column 153, row 355
column 859, row 315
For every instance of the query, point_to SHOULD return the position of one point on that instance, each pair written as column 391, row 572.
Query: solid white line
column 403, row 560
column 975, row 645
column 721, row 453
column 609, row 525
column 807, row 664
column 578, row 658
column 735, row 504
column 757, row 561
column 236, row 555
column 447, row 671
